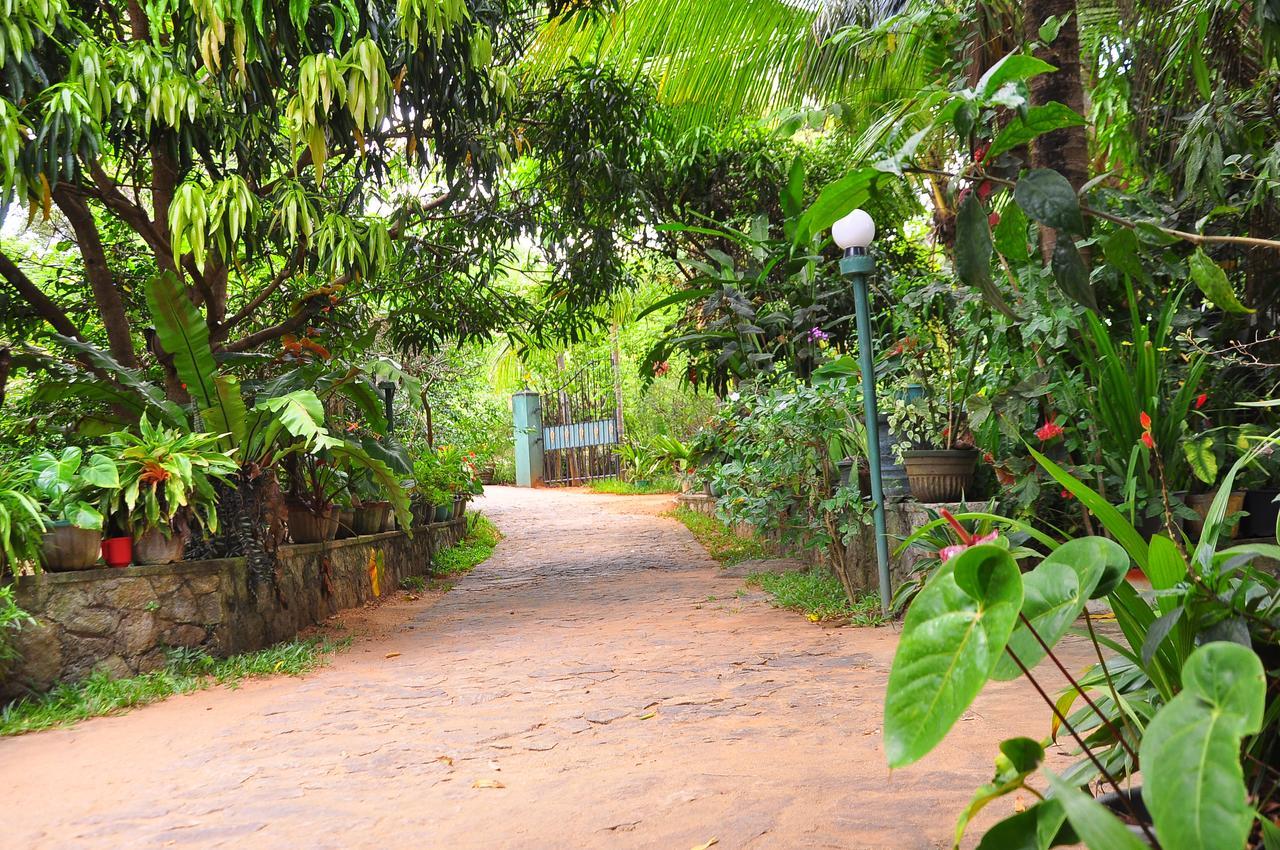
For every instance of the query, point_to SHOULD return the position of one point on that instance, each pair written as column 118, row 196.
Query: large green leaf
column 1011, row 235
column 356, row 456
column 1013, row 68
column 184, row 334
column 835, row 201
column 1038, row 121
column 1121, row 251
column 973, row 252
column 149, row 396
column 1098, row 828
column 229, row 416
column 1213, row 282
column 953, row 635
column 1071, row 274
column 1201, row 458
column 1034, row 829
column 1054, row 594
column 1046, row 196
column 1193, row 782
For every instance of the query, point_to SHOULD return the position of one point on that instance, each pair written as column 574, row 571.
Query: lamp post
column 854, row 233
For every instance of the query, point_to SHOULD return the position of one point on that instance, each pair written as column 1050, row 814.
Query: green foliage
column 12, row 618
column 653, row 486
column 187, row 670
column 721, row 542
column 474, row 549
column 819, row 595
column 22, row 518
column 953, row 636
column 74, row 489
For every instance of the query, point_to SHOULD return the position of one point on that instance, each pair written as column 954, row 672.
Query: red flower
column 1049, row 430
column 1201, row 399
column 966, row 539
column 1144, row 420
column 1148, row 440
column 1067, row 494
column 993, row 219
column 987, row 457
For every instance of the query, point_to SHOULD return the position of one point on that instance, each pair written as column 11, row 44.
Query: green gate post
column 526, row 411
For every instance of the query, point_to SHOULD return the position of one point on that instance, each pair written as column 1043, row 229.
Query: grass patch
column 618, row 487
column 818, row 595
column 719, row 540
column 475, row 548
column 186, row 670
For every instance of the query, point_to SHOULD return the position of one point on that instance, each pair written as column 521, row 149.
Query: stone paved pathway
column 580, row 689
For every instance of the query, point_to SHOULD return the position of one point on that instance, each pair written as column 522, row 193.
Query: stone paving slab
column 580, row 689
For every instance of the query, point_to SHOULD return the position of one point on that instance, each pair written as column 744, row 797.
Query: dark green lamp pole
column 854, row 233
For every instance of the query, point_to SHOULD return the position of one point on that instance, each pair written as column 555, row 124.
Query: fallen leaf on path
column 708, row 844
column 445, row 759
column 392, row 654
column 649, row 716
column 487, row 783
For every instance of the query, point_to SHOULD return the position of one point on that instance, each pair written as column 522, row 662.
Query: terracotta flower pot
column 152, row 547
column 371, row 517
column 347, row 523
column 1201, row 502
column 308, row 527
column 65, row 548
column 944, row 475
column 117, row 551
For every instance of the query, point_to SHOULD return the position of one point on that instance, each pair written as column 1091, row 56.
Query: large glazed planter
column 371, row 517
column 1201, row 502
column 66, row 548
column 152, row 547
column 443, row 512
column 893, row 475
column 307, row 527
column 944, row 475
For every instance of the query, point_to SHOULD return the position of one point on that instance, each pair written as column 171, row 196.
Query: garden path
column 598, row 683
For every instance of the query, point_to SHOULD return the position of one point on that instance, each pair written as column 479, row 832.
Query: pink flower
column 967, row 540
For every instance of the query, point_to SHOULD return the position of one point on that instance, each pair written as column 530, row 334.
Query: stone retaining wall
column 123, row 620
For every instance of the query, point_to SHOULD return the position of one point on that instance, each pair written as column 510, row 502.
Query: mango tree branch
column 44, row 305
column 1193, row 238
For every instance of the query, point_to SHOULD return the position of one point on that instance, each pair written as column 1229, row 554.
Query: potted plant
column 935, row 448
column 370, row 508
column 1204, row 453
column 74, row 490
column 22, row 519
column 166, row 487
column 117, row 545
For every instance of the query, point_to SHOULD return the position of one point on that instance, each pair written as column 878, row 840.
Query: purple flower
column 818, row 335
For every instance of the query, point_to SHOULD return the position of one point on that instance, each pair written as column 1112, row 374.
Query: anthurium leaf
column 83, row 515
column 1054, row 594
column 1201, row 458
column 952, row 637
column 1038, row 121
column 1034, row 829
column 1213, row 282
column 1190, row 754
column 1097, row 828
column 973, row 252
column 1071, row 274
column 1011, row 235
column 1018, row 759
column 1046, row 196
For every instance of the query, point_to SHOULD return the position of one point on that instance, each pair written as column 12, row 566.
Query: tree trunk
column 1065, row 150
column 110, row 305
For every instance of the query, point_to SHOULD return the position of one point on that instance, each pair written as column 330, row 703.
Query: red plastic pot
column 117, row 551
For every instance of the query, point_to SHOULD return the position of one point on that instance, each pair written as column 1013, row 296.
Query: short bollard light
column 854, row 233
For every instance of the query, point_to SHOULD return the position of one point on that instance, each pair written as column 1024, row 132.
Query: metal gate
column 581, row 427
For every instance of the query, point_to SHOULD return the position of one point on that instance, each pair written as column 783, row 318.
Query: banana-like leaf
column 955, row 631
column 184, row 334
column 229, row 416
column 149, row 396
column 1194, row 784
column 354, row 454
column 1055, row 593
